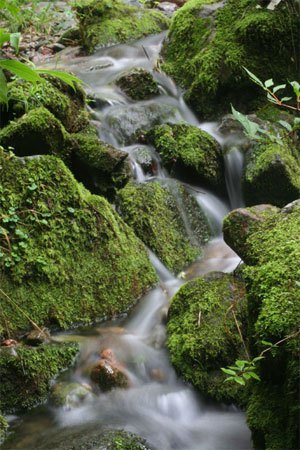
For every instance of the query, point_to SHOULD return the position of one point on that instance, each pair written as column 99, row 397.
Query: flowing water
column 157, row 406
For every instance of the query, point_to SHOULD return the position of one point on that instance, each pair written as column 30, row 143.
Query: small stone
column 36, row 337
column 8, row 343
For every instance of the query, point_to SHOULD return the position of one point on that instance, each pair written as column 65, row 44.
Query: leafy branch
column 244, row 370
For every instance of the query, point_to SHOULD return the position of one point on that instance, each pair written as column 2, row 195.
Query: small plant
column 252, row 130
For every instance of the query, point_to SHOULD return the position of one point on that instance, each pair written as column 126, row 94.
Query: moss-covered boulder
column 101, row 167
column 35, row 133
column 66, row 104
column 26, row 373
column 272, row 250
column 272, row 174
column 209, row 43
column 61, row 247
column 107, row 22
column 189, row 153
column 163, row 217
column 138, row 84
column 240, row 223
column 203, row 336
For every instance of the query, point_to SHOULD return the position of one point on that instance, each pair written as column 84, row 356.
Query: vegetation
column 155, row 214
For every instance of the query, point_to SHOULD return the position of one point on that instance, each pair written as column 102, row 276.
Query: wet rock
column 189, row 153
column 240, row 223
column 37, row 337
column 167, row 8
column 138, row 84
column 157, row 375
column 272, row 174
column 107, row 372
column 167, row 219
column 125, row 121
column 145, row 158
column 70, row 395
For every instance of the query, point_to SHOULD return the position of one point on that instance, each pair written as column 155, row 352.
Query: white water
column 157, row 406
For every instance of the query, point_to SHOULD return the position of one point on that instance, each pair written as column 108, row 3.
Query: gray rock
column 70, row 395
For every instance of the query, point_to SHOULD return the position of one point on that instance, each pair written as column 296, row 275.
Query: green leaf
column 285, row 125
column 270, row 98
column 241, row 363
column 15, row 39
column 285, row 99
column 269, row 83
column 3, row 88
column 228, row 371
column 21, row 70
column 251, row 128
column 239, row 380
column 258, row 358
column 4, row 36
column 296, row 87
column 268, row 344
column 254, row 375
column 68, row 78
column 277, row 88
column 254, row 78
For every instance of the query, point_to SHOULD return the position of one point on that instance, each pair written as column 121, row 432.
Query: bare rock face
column 107, row 373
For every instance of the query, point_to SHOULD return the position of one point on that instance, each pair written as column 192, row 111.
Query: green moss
column 37, row 132
column 26, row 375
column 109, row 22
column 66, row 106
column 66, row 256
column 190, row 152
column 3, row 428
column 272, row 248
column 154, row 213
column 272, row 175
column 206, row 55
column 203, row 337
column 138, row 84
column 99, row 166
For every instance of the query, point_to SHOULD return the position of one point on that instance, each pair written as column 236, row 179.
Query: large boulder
column 106, row 22
column 26, row 373
column 61, row 247
column 189, row 153
column 163, row 217
column 138, row 84
column 272, row 174
column 271, row 249
column 203, row 335
column 209, row 43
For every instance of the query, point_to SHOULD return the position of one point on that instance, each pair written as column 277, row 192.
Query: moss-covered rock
column 155, row 213
column 202, row 334
column 240, row 223
column 61, row 249
column 189, row 153
column 106, row 22
column 272, row 174
column 138, row 84
column 61, row 100
column 272, row 248
column 101, row 167
column 35, row 133
column 209, row 43
column 26, row 373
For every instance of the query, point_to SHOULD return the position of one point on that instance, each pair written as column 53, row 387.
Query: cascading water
column 157, row 406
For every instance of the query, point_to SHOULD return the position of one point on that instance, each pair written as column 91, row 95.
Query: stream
column 162, row 409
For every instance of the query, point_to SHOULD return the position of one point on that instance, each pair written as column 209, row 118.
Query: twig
column 240, row 334
column 199, row 319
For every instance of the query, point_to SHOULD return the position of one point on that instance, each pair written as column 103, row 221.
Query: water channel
column 165, row 411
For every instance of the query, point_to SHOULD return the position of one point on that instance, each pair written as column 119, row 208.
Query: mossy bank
column 108, row 22
column 268, row 241
column 209, row 43
column 66, row 256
